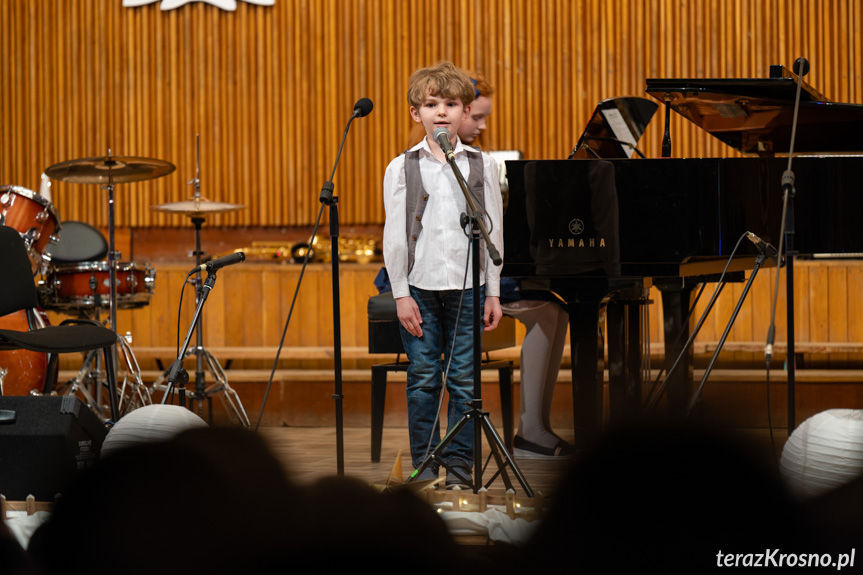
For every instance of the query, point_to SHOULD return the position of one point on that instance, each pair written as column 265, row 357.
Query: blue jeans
column 438, row 310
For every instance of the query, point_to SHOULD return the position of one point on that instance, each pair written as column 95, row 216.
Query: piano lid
column 615, row 128
column 754, row 115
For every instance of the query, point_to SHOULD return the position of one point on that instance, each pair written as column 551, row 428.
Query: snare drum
column 75, row 287
column 33, row 216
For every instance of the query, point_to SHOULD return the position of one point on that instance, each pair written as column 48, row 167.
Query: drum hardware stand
column 112, row 170
column 131, row 394
column 221, row 387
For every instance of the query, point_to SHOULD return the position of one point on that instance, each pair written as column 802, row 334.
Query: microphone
column 801, row 66
column 363, row 107
column 763, row 247
column 219, row 263
column 441, row 136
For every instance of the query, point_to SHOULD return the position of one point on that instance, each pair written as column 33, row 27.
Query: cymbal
column 109, row 169
column 197, row 207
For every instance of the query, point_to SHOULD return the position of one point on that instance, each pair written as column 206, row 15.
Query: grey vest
column 417, row 198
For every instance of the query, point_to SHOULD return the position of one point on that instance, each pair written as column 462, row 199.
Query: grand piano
column 604, row 225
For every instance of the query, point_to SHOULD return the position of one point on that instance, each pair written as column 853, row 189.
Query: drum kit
column 74, row 278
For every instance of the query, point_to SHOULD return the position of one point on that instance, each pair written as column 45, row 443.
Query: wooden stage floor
column 309, row 453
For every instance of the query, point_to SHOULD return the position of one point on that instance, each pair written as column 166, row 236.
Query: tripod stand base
column 497, row 447
column 226, row 393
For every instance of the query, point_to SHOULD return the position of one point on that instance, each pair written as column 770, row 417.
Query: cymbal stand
column 113, row 256
column 221, row 387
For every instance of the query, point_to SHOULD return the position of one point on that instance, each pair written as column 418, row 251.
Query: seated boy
column 426, row 253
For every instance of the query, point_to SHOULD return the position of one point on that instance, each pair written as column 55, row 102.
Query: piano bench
column 384, row 337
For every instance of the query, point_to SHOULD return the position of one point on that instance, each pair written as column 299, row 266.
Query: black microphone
column 221, row 262
column 363, row 107
column 441, row 136
column 801, row 66
column 763, row 247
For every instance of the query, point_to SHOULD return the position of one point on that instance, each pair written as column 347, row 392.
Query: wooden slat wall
column 827, row 309
column 270, row 89
column 249, row 306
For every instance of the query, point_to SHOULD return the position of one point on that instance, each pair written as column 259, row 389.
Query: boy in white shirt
column 426, row 253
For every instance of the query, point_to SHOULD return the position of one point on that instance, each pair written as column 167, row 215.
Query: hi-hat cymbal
column 109, row 169
column 197, row 207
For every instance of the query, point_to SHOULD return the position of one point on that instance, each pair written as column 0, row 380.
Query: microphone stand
column 327, row 198
column 801, row 68
column 177, row 373
column 759, row 261
column 363, row 107
column 482, row 421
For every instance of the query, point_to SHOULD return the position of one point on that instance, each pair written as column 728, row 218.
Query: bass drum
column 23, row 370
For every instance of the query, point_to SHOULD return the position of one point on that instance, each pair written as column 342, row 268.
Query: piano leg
column 675, row 305
column 623, row 330
column 623, row 323
column 586, row 344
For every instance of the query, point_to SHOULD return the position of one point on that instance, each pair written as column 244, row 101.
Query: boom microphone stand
column 482, row 421
column 363, row 107
column 177, row 374
column 759, row 261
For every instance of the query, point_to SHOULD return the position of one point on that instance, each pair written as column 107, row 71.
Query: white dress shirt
column 442, row 246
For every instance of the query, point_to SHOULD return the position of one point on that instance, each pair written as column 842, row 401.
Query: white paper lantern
column 150, row 423
column 824, row 452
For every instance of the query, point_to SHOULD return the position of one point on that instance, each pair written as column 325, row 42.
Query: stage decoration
column 229, row 5
column 150, row 423
column 824, row 452
column 507, row 518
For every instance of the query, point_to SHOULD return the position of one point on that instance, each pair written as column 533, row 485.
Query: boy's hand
column 409, row 315
column 491, row 316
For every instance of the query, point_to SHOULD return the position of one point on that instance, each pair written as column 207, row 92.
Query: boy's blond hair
column 442, row 79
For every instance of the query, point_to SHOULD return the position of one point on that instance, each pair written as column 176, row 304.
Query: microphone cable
column 449, row 359
column 290, row 314
column 362, row 108
column 180, row 316
column 720, row 284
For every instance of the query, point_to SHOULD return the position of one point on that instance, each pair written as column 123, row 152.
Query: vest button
column 425, row 197
column 419, row 217
column 414, row 237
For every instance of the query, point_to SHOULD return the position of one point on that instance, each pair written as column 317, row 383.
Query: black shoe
column 430, row 473
column 453, row 481
column 527, row 450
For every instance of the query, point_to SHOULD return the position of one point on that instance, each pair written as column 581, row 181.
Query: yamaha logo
column 576, row 227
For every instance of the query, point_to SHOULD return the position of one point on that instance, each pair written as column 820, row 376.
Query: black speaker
column 44, row 442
